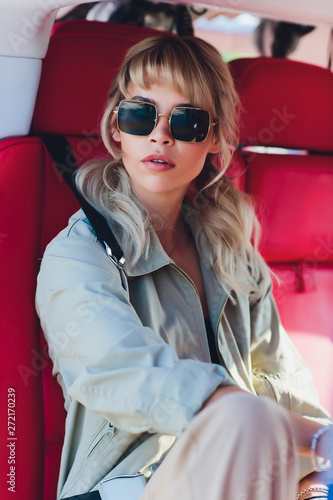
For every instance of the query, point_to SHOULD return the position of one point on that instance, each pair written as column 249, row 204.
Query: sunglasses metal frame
column 211, row 124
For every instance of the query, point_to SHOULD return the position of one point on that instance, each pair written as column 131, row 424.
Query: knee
column 257, row 417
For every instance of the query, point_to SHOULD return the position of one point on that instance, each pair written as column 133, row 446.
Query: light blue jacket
column 133, row 360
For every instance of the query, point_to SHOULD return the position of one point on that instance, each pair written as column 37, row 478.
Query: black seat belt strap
column 62, row 155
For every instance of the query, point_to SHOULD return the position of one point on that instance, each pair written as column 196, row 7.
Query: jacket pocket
column 97, row 459
column 90, row 464
column 98, row 445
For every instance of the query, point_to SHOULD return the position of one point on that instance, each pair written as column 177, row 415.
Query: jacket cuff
column 177, row 403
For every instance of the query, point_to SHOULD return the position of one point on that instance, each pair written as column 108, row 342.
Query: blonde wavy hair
column 196, row 70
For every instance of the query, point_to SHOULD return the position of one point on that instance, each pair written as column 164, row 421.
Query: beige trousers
column 238, row 448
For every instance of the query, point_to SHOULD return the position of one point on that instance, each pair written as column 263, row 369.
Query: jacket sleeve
column 279, row 372
column 103, row 355
column 278, row 368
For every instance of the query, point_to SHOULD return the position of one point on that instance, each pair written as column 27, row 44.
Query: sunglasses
column 186, row 124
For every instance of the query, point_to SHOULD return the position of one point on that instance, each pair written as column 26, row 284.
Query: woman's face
column 159, row 166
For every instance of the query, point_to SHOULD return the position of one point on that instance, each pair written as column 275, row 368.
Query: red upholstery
column 294, row 197
column 20, row 205
column 302, row 188
column 290, row 105
column 286, row 103
column 36, row 203
column 304, row 300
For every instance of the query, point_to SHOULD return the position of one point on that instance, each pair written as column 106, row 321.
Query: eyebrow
column 151, row 101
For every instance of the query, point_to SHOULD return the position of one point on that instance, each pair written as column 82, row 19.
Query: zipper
column 216, row 330
column 191, row 282
column 186, row 276
column 109, row 433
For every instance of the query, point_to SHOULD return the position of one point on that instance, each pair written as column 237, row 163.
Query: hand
column 313, row 480
column 324, row 448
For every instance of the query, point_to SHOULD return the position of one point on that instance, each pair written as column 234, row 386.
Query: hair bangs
column 173, row 64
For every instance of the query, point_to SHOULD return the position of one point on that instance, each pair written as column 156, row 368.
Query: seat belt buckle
column 119, row 263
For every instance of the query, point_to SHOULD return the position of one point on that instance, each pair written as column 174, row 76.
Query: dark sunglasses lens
column 136, row 118
column 189, row 125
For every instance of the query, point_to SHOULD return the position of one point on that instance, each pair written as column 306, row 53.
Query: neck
column 166, row 218
column 169, row 226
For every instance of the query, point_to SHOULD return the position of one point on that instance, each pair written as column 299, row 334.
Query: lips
column 158, row 162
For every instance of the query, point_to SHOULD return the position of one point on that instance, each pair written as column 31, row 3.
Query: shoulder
column 78, row 235
column 76, row 254
column 78, row 227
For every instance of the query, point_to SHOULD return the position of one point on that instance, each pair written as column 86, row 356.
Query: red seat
column 289, row 105
column 21, row 181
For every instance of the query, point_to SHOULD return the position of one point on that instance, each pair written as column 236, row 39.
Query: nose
column 161, row 133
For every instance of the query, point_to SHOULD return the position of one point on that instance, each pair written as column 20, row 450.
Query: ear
column 114, row 128
column 214, row 146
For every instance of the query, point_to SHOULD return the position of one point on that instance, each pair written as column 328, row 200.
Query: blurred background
column 235, row 35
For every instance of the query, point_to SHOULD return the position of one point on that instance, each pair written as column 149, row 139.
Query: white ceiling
column 309, row 12
column 25, row 25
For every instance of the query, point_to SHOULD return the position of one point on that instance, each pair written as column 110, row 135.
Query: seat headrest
column 285, row 103
column 82, row 59
column 294, row 198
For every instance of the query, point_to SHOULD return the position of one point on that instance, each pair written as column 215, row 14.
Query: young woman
column 177, row 344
